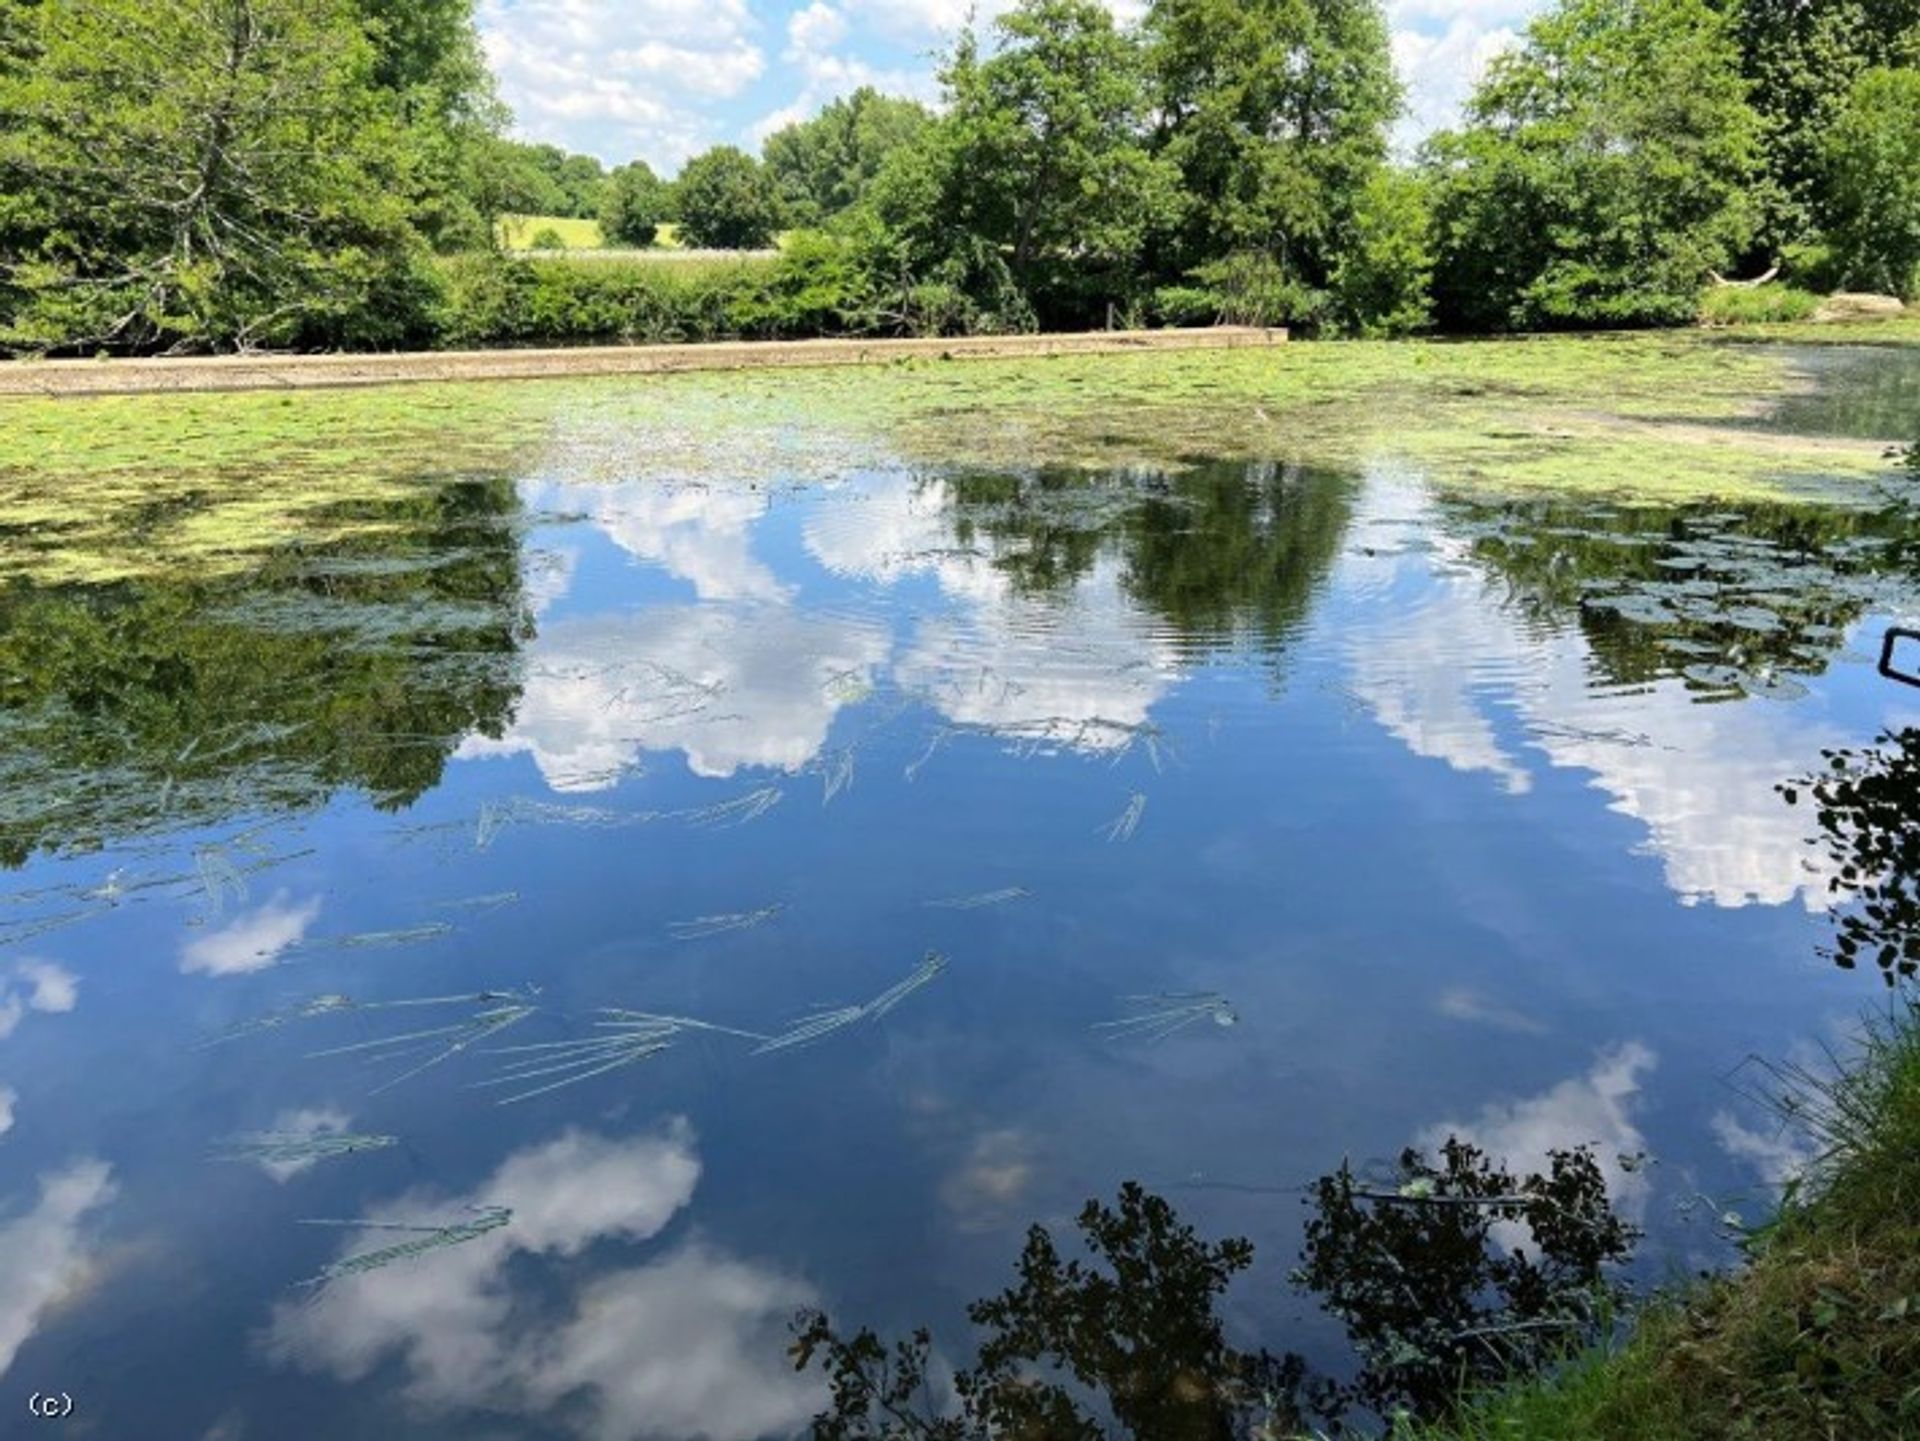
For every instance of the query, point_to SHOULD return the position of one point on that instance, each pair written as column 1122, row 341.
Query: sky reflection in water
column 1453, row 833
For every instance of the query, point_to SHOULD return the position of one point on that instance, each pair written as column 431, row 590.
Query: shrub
column 1756, row 305
column 547, row 238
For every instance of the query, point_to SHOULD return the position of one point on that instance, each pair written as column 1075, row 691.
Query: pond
column 686, row 897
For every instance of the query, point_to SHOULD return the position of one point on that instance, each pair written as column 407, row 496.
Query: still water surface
column 1417, row 813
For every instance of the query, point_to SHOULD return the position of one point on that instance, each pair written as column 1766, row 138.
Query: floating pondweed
column 836, row 773
column 287, row 1148
column 426, row 1238
column 983, row 898
column 364, row 940
column 736, row 812
column 1157, row 1017
column 496, row 815
column 1122, row 826
column 219, row 877
column 491, row 902
column 821, row 1023
column 625, row 1038
column 703, row 926
column 440, row 1042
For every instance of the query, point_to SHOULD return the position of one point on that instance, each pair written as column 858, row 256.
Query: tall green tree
column 1870, row 183
column 203, row 172
column 1801, row 59
column 633, row 205
column 1046, row 154
column 826, row 165
column 427, row 57
column 1607, row 166
column 1275, row 113
column 726, row 199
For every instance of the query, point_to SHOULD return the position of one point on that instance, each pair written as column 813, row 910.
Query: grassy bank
column 1818, row 1338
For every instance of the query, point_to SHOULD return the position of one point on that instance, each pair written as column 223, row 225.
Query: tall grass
column 1761, row 305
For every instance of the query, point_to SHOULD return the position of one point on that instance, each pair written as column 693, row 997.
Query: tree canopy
column 725, row 199
column 1606, row 168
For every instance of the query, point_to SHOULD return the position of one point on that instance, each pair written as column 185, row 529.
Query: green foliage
column 633, row 204
column 1756, row 305
column 1045, row 158
column 1382, row 279
column 203, row 173
column 547, row 238
column 1871, row 196
column 546, row 180
column 824, row 166
column 725, row 200
column 1802, row 59
column 1274, row 113
column 1604, row 171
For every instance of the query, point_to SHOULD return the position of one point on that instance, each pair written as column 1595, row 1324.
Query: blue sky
column 662, row 79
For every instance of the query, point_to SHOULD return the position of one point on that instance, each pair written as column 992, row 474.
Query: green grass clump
column 1818, row 1338
column 1762, row 305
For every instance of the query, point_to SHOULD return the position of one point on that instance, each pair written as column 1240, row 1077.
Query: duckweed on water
column 113, row 487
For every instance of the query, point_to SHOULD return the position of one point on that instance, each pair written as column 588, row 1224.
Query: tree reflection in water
column 1455, row 1272
column 1866, row 804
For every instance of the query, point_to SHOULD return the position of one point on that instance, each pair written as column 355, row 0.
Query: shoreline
column 150, row 375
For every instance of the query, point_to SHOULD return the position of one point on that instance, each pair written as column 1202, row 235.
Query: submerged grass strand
column 702, row 926
column 288, row 1147
column 812, row 1027
column 1122, row 826
column 981, row 899
column 1157, row 1017
column 426, row 1239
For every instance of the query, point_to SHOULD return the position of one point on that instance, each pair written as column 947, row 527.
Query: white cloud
column 35, row 986
column 1440, row 70
column 1700, row 778
column 690, row 1342
column 1594, row 1109
column 701, row 534
column 43, row 1255
column 618, row 80
column 1778, row 1155
column 815, row 29
column 9, row 1098
column 252, row 940
column 1077, row 667
column 730, row 686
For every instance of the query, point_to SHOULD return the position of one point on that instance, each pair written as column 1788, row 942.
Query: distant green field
column 517, row 231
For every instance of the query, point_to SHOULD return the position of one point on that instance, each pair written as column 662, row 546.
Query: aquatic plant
column 491, row 902
column 981, row 899
column 1157, row 1017
column 288, row 1147
column 426, row 1239
column 626, row 1038
column 441, row 1043
column 836, row 773
column 1122, row 826
column 702, row 926
column 736, row 812
column 219, row 877
column 364, row 940
column 814, row 1026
